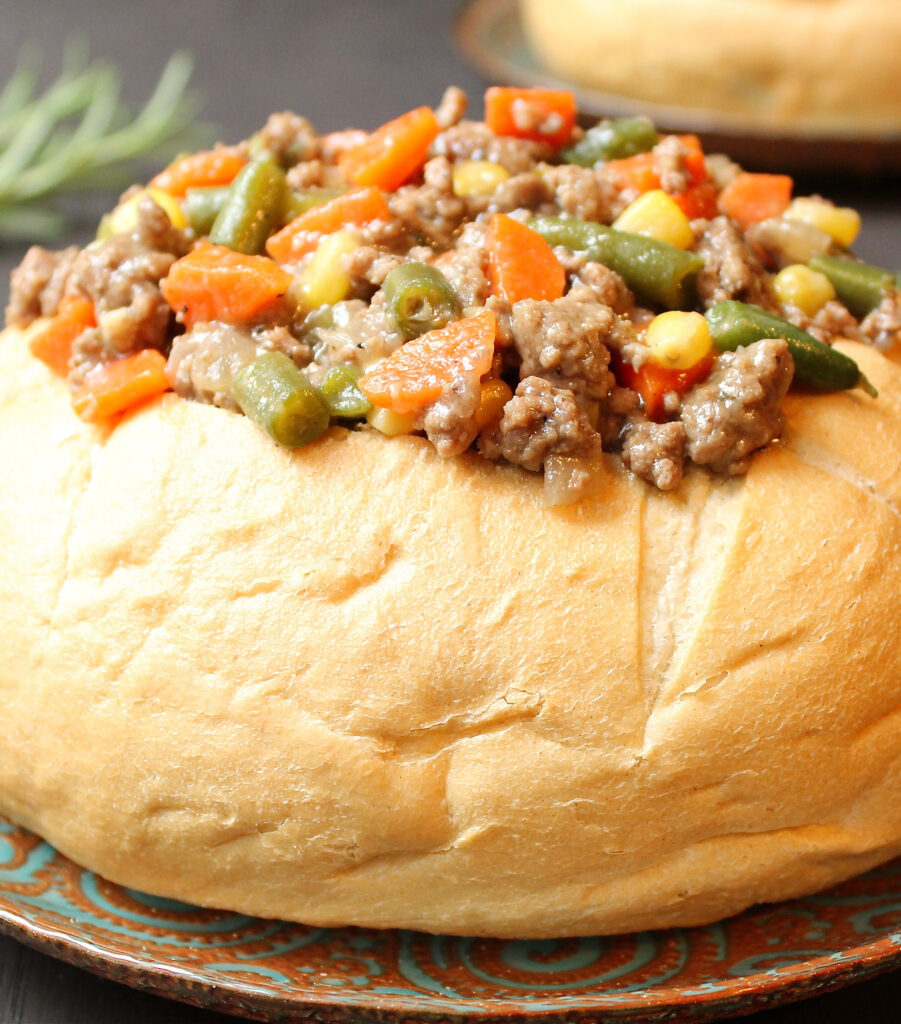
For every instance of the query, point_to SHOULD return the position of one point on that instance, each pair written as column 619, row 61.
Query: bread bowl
column 819, row 67
column 358, row 683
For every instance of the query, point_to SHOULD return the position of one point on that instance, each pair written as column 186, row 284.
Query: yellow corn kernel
column 324, row 281
column 678, row 340
column 477, row 178
column 389, row 422
column 841, row 223
column 125, row 216
column 656, row 214
column 170, row 206
column 798, row 285
column 495, row 395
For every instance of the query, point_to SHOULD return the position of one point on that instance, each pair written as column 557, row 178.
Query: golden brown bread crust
column 822, row 65
column 357, row 684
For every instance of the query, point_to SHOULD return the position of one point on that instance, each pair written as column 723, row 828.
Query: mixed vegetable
column 541, row 292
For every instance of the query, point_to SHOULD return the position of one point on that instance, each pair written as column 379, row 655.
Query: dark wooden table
column 338, row 63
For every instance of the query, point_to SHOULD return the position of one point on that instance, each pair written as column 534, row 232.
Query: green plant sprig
column 78, row 134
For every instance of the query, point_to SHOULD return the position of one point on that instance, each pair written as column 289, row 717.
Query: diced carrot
column 653, row 381
column 115, row 387
column 700, row 200
column 197, row 170
column 52, row 341
column 521, row 264
column 543, row 115
column 638, row 172
column 750, row 198
column 216, row 283
column 301, row 235
column 421, row 370
column 695, row 163
column 393, row 153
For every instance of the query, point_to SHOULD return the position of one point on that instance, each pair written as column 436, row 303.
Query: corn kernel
column 495, row 395
column 170, row 206
column 656, row 214
column 389, row 422
column 477, row 178
column 841, row 223
column 678, row 340
column 809, row 290
column 125, row 216
column 104, row 231
column 324, row 281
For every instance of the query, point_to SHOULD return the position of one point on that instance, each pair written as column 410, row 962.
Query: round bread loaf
column 359, row 685
column 823, row 65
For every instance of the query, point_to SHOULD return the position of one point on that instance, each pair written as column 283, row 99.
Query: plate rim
column 187, row 983
column 473, row 15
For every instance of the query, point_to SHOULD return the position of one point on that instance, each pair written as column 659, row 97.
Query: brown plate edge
column 843, row 153
column 749, row 994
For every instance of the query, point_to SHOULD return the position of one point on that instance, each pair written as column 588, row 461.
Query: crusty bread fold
column 357, row 684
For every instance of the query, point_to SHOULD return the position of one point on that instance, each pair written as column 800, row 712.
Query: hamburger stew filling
column 518, row 286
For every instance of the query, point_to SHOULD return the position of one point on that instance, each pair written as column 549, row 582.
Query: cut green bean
column 657, row 272
column 278, row 397
column 612, row 140
column 860, row 286
column 253, row 207
column 419, row 298
column 300, row 201
column 201, row 207
column 342, row 395
column 819, row 366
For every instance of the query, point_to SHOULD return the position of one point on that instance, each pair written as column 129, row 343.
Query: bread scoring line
column 815, row 455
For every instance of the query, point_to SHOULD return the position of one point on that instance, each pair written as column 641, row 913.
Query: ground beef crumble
column 607, row 287
column 655, row 451
column 38, row 284
column 564, row 342
column 431, row 213
column 539, row 421
column 452, row 107
column 738, row 408
column 450, row 423
column 465, row 269
column 121, row 277
column 526, row 191
column 289, row 138
column 670, row 160
column 731, row 270
column 833, row 320
column 566, row 358
column 581, row 192
column 472, row 140
column 367, row 267
column 882, row 326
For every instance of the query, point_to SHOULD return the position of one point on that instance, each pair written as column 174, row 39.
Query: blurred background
column 342, row 63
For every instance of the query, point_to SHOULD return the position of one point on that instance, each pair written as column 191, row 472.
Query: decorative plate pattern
column 490, row 35
column 273, row 970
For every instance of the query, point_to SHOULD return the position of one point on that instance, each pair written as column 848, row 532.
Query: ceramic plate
column 272, row 970
column 490, row 35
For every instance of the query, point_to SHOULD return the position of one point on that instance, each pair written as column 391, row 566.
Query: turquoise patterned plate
column 276, row 971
